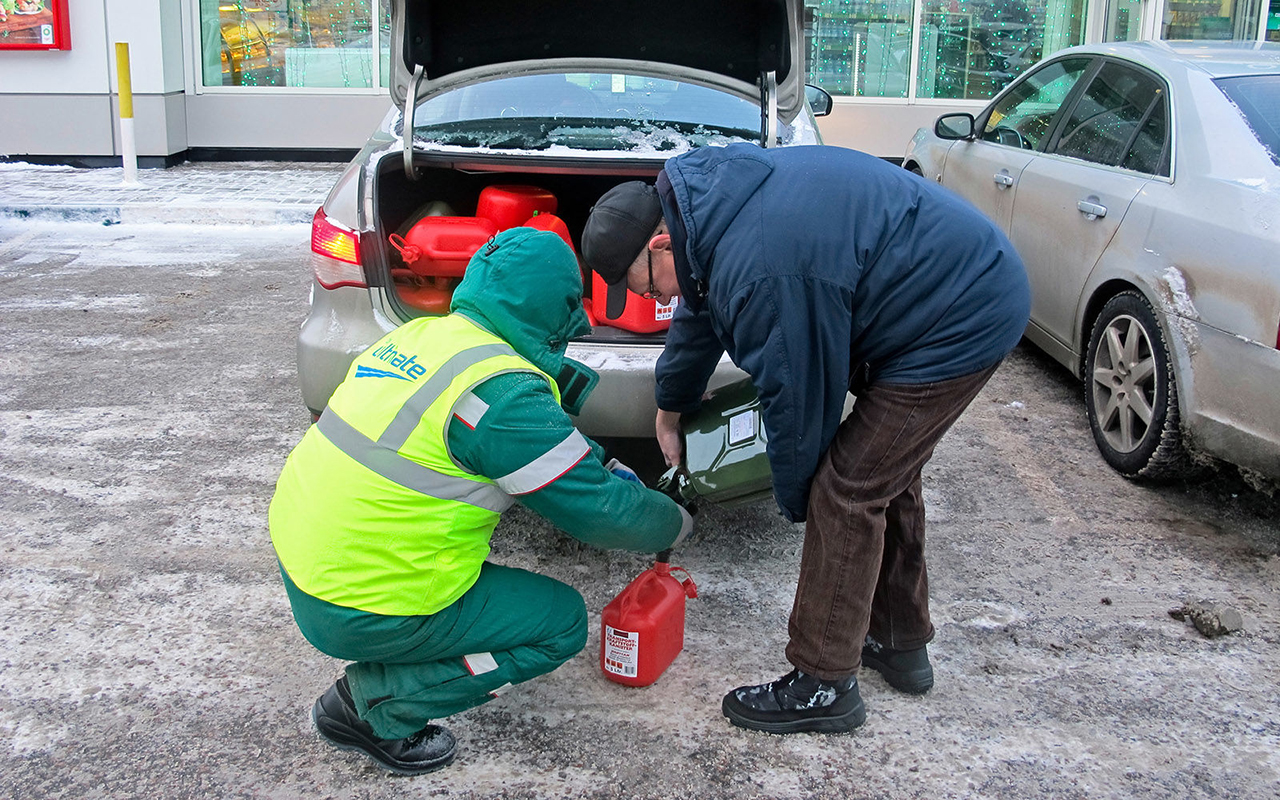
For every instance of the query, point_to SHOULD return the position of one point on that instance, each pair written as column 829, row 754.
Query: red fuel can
column 638, row 316
column 441, row 247
column 550, row 222
column 510, row 205
column 642, row 629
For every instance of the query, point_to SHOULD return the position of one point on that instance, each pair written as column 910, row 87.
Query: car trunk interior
column 423, row 284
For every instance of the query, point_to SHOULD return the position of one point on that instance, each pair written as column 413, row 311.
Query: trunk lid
column 733, row 45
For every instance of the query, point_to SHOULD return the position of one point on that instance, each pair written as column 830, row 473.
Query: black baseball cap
column 617, row 230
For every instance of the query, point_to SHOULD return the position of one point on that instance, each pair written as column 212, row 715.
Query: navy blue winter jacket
column 808, row 263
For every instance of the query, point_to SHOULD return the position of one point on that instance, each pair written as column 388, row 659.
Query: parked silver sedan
column 1140, row 182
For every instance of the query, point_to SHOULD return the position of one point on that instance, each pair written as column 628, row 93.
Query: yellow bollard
column 128, row 144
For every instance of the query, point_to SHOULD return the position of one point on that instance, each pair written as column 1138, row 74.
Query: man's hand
column 667, row 427
column 622, row 471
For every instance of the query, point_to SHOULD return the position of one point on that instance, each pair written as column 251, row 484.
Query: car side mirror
column 819, row 100
column 954, row 126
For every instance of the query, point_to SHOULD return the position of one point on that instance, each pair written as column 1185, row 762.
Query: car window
column 1149, row 152
column 593, row 111
column 1258, row 98
column 1022, row 117
column 1112, row 113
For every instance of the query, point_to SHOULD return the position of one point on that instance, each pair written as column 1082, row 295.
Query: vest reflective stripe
column 398, row 432
column 470, row 409
column 547, row 467
column 409, row 474
column 395, row 530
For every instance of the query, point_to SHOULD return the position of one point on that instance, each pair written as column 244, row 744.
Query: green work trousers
column 511, row 626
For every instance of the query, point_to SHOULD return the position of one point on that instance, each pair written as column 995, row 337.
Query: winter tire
column 1131, row 393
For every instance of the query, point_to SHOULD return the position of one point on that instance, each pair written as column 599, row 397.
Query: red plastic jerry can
column 638, row 316
column 441, row 247
column 642, row 629
column 550, row 222
column 510, row 205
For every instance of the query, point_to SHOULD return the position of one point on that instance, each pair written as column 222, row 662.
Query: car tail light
column 335, row 253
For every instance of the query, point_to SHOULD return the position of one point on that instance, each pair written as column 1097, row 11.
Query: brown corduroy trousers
column 862, row 569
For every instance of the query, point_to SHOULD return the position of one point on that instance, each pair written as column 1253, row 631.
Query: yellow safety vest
column 371, row 511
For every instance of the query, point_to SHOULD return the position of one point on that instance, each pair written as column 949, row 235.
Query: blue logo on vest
column 370, row 372
column 408, row 366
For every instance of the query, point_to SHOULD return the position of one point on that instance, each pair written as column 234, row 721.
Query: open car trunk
column 449, row 196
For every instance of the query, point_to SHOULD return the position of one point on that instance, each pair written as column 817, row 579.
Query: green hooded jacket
column 526, row 288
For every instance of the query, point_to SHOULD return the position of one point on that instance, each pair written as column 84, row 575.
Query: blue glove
column 622, row 471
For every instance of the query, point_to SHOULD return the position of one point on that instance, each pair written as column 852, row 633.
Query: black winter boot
column 905, row 670
column 335, row 717
column 795, row 703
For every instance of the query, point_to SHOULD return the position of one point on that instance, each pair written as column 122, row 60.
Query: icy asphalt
column 148, row 400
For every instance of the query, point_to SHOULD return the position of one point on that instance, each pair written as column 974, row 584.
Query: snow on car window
column 587, row 112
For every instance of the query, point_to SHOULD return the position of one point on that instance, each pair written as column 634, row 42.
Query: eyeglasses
column 652, row 293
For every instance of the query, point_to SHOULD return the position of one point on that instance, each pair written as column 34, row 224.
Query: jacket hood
column 711, row 186
column 525, row 286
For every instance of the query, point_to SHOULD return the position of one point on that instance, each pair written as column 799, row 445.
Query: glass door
column 1212, row 19
column 1123, row 21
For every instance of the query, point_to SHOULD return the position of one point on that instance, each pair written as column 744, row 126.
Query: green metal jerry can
column 724, row 451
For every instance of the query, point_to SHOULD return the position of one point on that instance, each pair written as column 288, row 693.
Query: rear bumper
column 622, row 403
column 1234, row 403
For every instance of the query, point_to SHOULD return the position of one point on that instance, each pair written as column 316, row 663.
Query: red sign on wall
column 34, row 25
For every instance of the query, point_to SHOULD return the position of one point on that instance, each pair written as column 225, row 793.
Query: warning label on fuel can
column 621, row 649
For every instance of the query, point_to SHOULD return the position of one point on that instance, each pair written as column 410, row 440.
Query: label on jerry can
column 621, row 650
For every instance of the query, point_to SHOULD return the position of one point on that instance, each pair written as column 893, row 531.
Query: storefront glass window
column 1124, row 21
column 1273, row 22
column 968, row 49
column 384, row 37
column 1211, row 19
column 971, row 49
column 860, row 48
column 317, row 43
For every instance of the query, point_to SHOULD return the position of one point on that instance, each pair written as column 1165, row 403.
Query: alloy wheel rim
column 1124, row 383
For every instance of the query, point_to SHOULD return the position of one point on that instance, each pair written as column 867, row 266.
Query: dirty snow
column 148, row 649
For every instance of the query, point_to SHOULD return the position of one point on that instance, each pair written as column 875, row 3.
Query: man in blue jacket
column 824, row 271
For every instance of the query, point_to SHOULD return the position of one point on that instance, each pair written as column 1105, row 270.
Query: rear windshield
column 1258, row 98
column 586, row 111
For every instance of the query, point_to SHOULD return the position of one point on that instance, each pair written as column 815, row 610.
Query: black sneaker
column 905, row 670
column 335, row 717
column 795, row 703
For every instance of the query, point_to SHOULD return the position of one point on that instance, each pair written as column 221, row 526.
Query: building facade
column 299, row 78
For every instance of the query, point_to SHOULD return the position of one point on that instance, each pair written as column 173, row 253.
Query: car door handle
column 1091, row 210
column 1003, row 179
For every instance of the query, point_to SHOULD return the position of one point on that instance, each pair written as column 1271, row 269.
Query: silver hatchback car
column 525, row 114
column 1140, row 182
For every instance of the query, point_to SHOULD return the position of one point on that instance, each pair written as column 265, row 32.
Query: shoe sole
column 343, row 738
column 917, row 682
column 838, row 723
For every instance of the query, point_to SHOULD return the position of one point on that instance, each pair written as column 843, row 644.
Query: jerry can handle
column 690, row 588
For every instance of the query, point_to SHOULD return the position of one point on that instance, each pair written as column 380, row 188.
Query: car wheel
column 915, row 170
column 1130, row 391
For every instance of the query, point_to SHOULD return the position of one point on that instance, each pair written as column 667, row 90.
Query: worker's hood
column 729, row 44
column 526, row 287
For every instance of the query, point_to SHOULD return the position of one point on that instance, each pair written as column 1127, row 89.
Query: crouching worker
column 382, row 516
